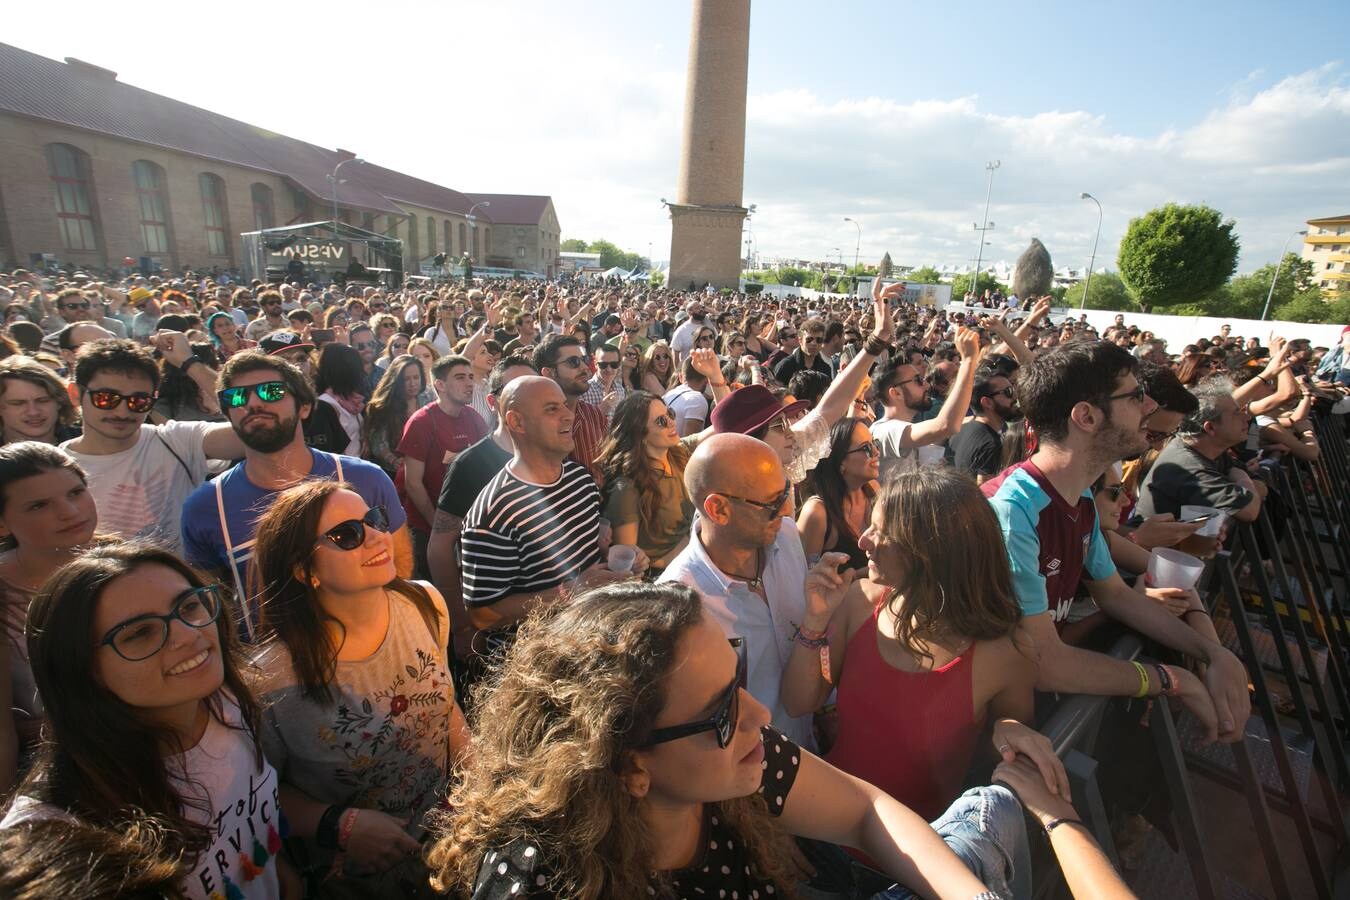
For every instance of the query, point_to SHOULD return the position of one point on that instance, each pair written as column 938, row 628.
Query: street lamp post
column 333, row 180
column 1092, row 259
column 856, row 247
column 1283, row 251
column 984, row 228
column 473, row 228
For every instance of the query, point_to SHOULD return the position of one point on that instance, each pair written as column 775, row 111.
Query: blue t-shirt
column 207, row 546
column 1051, row 543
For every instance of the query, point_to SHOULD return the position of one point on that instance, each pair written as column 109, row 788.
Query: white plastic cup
column 622, row 558
column 1211, row 527
column 1168, row 568
column 932, row 454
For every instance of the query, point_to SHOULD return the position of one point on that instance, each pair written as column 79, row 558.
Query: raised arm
column 953, row 412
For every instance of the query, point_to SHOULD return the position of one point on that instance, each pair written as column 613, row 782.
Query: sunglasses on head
column 266, row 391
column 351, row 534
column 138, row 402
column 725, row 717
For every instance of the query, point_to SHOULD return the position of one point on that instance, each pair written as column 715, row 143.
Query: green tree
column 657, row 280
column 573, row 245
column 1310, row 307
column 986, row 282
column 1176, row 254
column 800, row 277
column 924, row 275
column 1107, row 292
column 1244, row 297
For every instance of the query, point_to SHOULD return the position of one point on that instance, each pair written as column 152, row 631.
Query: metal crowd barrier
column 1289, row 623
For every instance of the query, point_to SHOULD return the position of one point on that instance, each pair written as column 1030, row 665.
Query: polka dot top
column 724, row 871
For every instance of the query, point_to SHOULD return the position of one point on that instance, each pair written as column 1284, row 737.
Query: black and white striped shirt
column 521, row 537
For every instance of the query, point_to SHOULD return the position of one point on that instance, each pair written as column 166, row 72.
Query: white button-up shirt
column 766, row 627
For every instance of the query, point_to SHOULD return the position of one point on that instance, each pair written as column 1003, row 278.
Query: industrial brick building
column 94, row 171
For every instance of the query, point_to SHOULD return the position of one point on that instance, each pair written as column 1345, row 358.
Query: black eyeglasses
column 1113, row 491
column 351, row 534
column 607, row 365
column 266, row 391
column 141, row 637
column 1136, row 395
column 105, row 400
column 772, row 507
column 871, row 449
column 574, row 362
column 917, row 379
column 1008, row 392
column 723, row 720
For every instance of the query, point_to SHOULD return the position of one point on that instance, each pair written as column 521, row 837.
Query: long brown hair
column 104, row 763
column 826, row 482
column 390, row 407
column 282, row 569
column 623, row 454
column 583, row 686
column 954, row 577
column 59, row 858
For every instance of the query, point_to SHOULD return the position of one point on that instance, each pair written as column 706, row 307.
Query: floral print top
column 383, row 740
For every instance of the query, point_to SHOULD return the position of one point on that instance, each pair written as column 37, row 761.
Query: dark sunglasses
column 772, row 507
column 787, row 335
column 723, row 720
column 664, row 421
column 632, row 330
column 84, row 305
column 351, row 534
column 141, row 637
column 1008, row 392
column 812, row 339
column 574, row 362
column 607, row 365
column 138, row 402
column 1113, row 491
column 365, row 345
column 266, row 391
column 871, row 449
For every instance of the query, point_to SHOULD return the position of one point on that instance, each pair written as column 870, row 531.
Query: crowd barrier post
column 1318, row 595
column 1320, row 737
column 1315, row 547
column 1168, row 747
column 1293, row 803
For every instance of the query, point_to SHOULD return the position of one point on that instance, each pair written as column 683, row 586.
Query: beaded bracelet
column 825, row 665
column 875, row 346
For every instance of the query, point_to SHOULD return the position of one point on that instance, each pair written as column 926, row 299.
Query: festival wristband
column 825, row 665
column 1143, row 678
column 345, row 833
column 1055, row 823
column 326, row 834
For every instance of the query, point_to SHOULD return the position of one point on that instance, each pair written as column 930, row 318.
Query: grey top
column 383, row 742
column 1180, row 477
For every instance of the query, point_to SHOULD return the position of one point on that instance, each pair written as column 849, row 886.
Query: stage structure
column 323, row 253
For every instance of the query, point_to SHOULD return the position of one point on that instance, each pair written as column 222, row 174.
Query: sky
column 885, row 112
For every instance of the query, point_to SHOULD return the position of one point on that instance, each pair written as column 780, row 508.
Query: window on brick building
column 264, row 213
column 445, row 236
column 463, row 240
column 154, row 203
column 69, row 169
column 431, row 237
column 213, row 211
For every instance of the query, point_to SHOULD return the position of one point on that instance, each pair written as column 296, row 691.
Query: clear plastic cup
column 605, row 533
column 1168, row 568
column 622, row 558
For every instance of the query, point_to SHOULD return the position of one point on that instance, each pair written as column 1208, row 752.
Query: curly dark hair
column 582, row 687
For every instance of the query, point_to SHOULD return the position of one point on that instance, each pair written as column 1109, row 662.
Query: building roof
column 88, row 97
column 1329, row 220
column 514, row 209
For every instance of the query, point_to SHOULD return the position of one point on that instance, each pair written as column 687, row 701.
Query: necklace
column 758, row 580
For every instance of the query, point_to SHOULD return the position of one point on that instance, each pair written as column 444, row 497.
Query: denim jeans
column 985, row 827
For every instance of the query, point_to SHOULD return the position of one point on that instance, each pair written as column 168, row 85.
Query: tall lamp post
column 985, row 227
column 334, row 181
column 1283, row 251
column 473, row 227
column 1093, row 259
column 858, row 246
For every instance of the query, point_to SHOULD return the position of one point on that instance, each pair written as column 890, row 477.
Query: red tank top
column 912, row 734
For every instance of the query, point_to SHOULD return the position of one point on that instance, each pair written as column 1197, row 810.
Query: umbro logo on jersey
column 1052, row 567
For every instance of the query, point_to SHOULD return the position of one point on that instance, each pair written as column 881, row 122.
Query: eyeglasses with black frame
column 725, row 717
column 1137, row 395
column 351, row 534
column 141, row 637
column 266, row 391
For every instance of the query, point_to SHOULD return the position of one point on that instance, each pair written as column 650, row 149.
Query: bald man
column 746, row 559
column 534, row 530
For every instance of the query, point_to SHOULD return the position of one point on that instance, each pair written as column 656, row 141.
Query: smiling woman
column 360, row 715
column 147, row 715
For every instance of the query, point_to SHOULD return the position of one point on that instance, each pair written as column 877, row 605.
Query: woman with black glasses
column 152, row 730
column 619, row 755
column 360, row 716
column 843, row 486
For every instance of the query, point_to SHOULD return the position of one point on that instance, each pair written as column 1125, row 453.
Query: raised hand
column 825, row 589
column 967, row 343
column 706, row 363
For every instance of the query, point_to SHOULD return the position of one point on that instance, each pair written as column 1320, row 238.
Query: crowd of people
column 524, row 589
